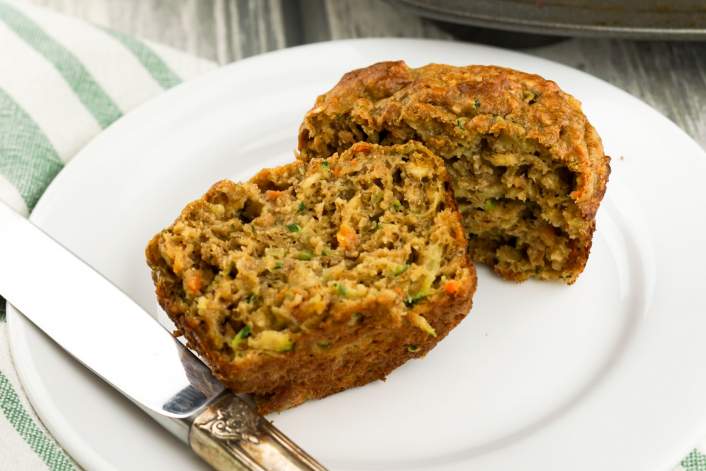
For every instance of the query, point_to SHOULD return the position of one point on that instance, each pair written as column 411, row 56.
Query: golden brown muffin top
column 434, row 100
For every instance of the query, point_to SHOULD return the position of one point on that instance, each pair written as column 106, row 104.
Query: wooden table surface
column 670, row 76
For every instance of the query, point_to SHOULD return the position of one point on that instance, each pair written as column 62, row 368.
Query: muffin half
column 527, row 168
column 320, row 276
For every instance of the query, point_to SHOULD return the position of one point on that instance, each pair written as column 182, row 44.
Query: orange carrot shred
column 451, row 287
column 272, row 194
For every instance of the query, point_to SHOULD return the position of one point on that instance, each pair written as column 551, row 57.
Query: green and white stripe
column 133, row 55
column 10, row 195
column 79, row 88
column 74, row 72
column 45, row 448
column 695, row 461
column 29, row 161
column 49, row 100
column 157, row 68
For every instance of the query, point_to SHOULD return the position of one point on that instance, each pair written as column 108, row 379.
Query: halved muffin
column 320, row 276
column 527, row 168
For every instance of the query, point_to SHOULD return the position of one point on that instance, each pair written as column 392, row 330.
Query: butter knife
column 77, row 307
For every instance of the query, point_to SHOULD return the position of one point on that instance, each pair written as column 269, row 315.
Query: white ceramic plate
column 602, row 375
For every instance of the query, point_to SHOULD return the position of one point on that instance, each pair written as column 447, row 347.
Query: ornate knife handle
column 230, row 436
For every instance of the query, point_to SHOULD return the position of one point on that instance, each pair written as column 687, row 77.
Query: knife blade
column 109, row 333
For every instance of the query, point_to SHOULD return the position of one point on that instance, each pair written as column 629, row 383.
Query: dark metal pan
column 645, row 19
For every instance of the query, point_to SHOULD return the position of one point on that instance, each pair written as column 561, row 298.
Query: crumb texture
column 317, row 276
column 527, row 169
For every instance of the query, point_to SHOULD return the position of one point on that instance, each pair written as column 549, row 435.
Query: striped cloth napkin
column 63, row 81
